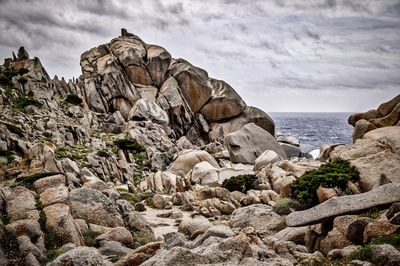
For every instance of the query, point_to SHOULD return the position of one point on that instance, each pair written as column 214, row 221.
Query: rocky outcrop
column 331, row 208
column 133, row 152
column 246, row 144
column 387, row 114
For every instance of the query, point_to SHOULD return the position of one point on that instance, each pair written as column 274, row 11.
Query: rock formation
column 146, row 160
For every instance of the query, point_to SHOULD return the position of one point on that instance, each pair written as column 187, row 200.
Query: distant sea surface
column 314, row 129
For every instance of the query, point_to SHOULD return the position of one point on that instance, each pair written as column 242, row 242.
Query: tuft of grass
column 372, row 213
column 329, row 175
column 286, row 206
column 143, row 236
column 240, row 183
column 130, row 197
column 27, row 181
column 73, row 99
column 366, row 254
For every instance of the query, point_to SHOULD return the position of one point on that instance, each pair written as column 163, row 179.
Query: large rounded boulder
column 224, row 103
column 246, row 144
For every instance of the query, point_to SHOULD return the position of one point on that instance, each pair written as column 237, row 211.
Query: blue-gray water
column 314, row 129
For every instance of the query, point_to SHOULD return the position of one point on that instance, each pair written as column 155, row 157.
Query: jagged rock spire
column 22, row 54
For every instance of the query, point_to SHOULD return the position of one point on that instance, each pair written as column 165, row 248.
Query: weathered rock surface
column 382, row 195
column 21, row 204
column 60, row 222
column 386, row 253
column 387, row 114
column 372, row 159
column 259, row 216
column 387, row 135
column 79, row 256
column 158, row 60
column 266, row 158
column 187, row 159
column 378, row 228
column 148, row 110
column 250, row 115
column 224, row 102
column 193, row 81
column 93, row 206
column 361, row 128
column 246, row 144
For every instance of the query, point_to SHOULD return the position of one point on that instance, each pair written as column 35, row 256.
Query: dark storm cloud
column 280, row 49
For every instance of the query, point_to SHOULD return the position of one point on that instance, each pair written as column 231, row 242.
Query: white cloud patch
column 279, row 55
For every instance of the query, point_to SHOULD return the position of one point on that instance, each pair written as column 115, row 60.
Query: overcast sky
column 327, row 55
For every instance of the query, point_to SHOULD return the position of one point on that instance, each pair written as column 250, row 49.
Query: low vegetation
column 23, row 101
column 372, row 213
column 27, row 181
column 366, row 254
column 5, row 157
column 240, row 183
column 286, row 206
column 89, row 238
column 52, row 241
column 129, row 145
column 329, row 175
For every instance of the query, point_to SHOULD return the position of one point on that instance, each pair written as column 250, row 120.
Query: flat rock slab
column 386, row 194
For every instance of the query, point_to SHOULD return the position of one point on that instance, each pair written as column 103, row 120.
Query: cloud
column 258, row 46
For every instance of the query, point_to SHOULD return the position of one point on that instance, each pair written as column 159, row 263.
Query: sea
column 314, row 129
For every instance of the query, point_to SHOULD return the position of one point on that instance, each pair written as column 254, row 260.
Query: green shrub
column 286, row 206
column 73, row 99
column 240, row 183
column 24, row 101
column 4, row 80
column 329, row 175
column 366, row 254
